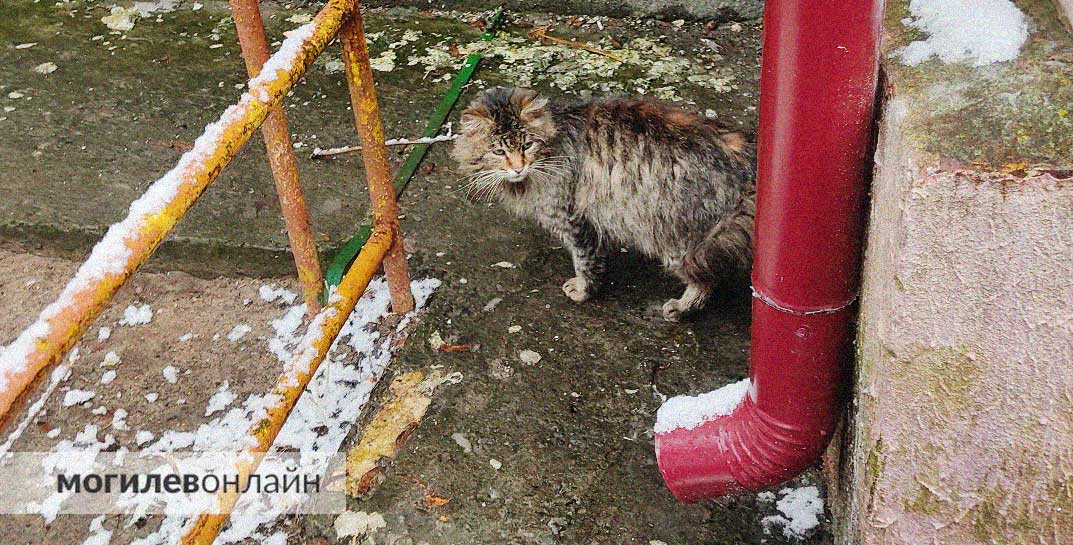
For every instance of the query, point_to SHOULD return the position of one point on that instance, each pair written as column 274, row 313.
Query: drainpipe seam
column 826, row 310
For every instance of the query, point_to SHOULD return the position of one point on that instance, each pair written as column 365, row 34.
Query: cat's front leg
column 582, row 242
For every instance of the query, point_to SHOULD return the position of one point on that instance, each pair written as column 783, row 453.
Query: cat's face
column 505, row 135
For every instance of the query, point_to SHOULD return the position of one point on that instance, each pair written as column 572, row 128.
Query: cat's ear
column 531, row 104
column 477, row 118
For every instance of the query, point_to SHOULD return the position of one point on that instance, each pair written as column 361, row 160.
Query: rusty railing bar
column 277, row 137
column 374, row 155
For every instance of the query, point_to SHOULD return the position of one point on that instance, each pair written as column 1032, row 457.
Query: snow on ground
column 238, row 332
column 319, row 423
column 98, row 535
column 689, row 412
column 980, row 31
column 323, row 416
column 220, row 400
column 171, row 374
column 59, row 374
column 137, row 315
column 272, row 294
column 77, row 397
column 800, row 511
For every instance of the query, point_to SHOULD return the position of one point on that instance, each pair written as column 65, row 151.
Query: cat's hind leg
column 726, row 247
column 694, row 298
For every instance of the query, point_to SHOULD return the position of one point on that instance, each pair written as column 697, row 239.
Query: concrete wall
column 964, row 416
column 961, row 429
column 666, row 9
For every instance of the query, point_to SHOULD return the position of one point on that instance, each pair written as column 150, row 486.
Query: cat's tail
column 727, row 246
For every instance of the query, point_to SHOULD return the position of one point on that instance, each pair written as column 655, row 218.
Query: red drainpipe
column 817, row 94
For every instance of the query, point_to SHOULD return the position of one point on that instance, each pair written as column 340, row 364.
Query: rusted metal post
column 374, row 155
column 277, row 137
column 293, row 381
column 129, row 243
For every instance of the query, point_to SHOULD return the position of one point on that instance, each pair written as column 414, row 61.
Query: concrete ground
column 573, row 431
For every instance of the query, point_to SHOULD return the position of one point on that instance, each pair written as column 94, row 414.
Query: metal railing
column 129, row 243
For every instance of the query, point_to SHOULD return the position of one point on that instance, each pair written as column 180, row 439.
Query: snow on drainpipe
column 817, row 93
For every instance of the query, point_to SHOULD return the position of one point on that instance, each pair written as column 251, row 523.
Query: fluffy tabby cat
column 618, row 171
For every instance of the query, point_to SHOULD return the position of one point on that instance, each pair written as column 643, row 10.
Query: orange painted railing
column 129, row 243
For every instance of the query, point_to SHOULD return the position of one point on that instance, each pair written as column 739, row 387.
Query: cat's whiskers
column 483, row 184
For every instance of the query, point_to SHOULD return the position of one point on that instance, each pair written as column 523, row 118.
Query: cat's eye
column 499, row 151
column 528, row 145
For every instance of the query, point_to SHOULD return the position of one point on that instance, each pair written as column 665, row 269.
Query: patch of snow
column 171, row 374
column 77, row 397
column 800, row 508
column 119, row 420
column 26, row 45
column 979, row 31
column 151, row 397
column 186, row 337
column 98, row 535
column 688, row 412
column 108, row 377
column 496, row 464
column 143, row 437
column 133, row 315
column 272, row 294
column 238, row 332
column 338, row 390
column 220, row 400
column 103, row 334
column 59, row 374
column 111, row 359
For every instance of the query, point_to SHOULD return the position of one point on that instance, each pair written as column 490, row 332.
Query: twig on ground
column 542, row 34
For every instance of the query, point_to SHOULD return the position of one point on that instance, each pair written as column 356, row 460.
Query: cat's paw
column 577, row 289
column 672, row 310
